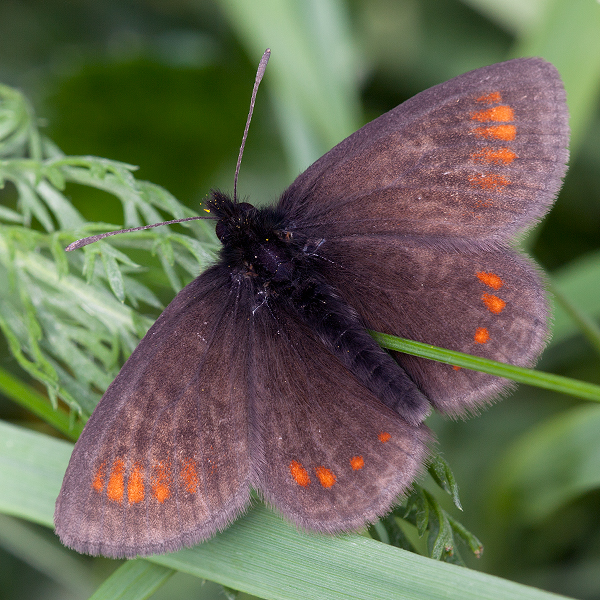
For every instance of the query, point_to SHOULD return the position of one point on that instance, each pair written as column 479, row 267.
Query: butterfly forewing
column 164, row 460
column 478, row 157
column 331, row 456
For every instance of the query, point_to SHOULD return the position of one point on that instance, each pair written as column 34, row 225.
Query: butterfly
column 261, row 373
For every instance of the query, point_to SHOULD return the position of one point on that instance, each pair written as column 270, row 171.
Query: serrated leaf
column 174, row 279
column 114, row 275
column 64, row 212
column 473, row 543
column 441, row 473
column 89, row 264
column 9, row 215
column 137, row 291
column 31, row 205
column 58, row 254
column 439, row 539
column 55, row 176
column 417, row 504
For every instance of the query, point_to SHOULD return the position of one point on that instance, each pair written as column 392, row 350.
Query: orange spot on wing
column 501, row 156
column 482, row 335
column 384, row 437
column 497, row 114
column 506, row 133
column 490, row 279
column 490, row 98
column 299, row 474
column 161, row 482
column 325, row 476
column 189, row 476
column 489, row 182
column 456, row 368
column 357, row 463
column 116, row 482
column 493, row 303
column 135, row 485
column 98, row 483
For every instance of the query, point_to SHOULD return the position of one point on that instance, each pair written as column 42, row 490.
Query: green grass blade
column 548, row 381
column 134, row 580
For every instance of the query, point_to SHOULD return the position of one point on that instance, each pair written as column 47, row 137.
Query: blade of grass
column 134, row 580
column 548, row 381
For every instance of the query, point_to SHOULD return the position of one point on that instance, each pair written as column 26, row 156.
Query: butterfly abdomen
column 342, row 331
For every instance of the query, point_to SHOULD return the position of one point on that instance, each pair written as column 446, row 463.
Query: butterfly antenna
column 94, row 238
column 259, row 75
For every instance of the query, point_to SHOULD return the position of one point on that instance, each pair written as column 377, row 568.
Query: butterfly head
column 255, row 241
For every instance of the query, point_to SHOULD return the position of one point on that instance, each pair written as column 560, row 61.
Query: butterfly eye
column 233, row 216
column 221, row 230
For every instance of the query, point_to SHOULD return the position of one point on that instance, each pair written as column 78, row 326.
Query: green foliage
column 49, row 313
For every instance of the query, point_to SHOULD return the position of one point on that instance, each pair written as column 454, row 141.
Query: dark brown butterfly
column 261, row 374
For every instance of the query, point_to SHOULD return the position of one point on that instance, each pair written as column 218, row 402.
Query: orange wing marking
column 493, row 303
column 506, row 133
column 325, row 476
column 135, row 485
column 502, row 156
column 299, row 474
column 357, row 463
column 98, row 483
column 161, row 481
column 482, row 335
column 116, row 482
column 491, row 98
column 489, row 182
column 189, row 476
column 496, row 114
column 490, row 279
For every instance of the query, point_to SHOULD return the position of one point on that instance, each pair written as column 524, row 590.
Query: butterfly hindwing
column 330, row 456
column 164, row 459
column 488, row 302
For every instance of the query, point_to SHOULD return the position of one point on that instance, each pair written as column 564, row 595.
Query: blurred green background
column 166, row 86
